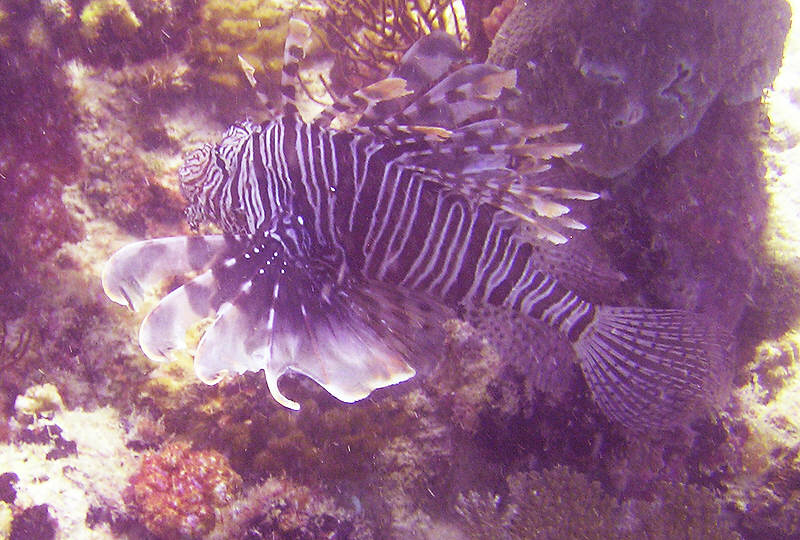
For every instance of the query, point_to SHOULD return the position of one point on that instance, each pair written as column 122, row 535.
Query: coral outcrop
column 638, row 75
column 561, row 503
column 177, row 491
column 254, row 30
column 762, row 459
column 280, row 508
column 62, row 468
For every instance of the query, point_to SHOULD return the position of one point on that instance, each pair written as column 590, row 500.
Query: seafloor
column 690, row 133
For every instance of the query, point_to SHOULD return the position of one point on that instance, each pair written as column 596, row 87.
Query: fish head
column 210, row 169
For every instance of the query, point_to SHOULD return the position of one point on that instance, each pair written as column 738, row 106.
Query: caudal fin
column 652, row 369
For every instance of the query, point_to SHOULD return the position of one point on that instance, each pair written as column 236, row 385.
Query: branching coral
column 323, row 440
column 562, row 503
column 177, row 491
column 543, row 499
column 369, row 37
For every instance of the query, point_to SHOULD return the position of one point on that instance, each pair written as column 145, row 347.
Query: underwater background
column 688, row 116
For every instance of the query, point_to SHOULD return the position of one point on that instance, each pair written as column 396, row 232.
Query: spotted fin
column 652, row 369
column 280, row 313
column 140, row 267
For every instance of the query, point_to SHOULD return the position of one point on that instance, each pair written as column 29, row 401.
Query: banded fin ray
column 280, row 312
column 652, row 368
column 472, row 93
column 430, row 58
column 138, row 268
column 165, row 329
column 294, row 52
column 465, row 144
column 454, row 111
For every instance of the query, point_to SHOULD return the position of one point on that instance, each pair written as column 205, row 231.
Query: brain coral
column 636, row 75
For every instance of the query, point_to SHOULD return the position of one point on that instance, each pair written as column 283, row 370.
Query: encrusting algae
column 498, row 433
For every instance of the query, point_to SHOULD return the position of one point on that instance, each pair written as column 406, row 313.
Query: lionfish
column 344, row 235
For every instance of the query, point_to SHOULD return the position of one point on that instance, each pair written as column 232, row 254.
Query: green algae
column 115, row 15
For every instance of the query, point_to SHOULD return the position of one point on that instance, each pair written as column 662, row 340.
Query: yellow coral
column 254, row 29
column 58, row 12
column 39, row 399
column 5, row 520
column 114, row 15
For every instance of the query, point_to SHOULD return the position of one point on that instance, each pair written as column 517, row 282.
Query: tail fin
column 652, row 369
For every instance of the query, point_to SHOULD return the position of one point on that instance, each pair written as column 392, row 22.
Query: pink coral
column 176, row 491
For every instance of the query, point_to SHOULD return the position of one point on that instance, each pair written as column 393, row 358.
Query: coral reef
column 176, row 492
column 101, row 97
column 322, row 440
column 638, row 76
column 33, row 522
column 38, row 149
column 686, row 229
column 561, row 503
column 255, row 29
column 496, row 17
column 114, row 16
column 761, row 460
column 281, row 509
column 483, row 20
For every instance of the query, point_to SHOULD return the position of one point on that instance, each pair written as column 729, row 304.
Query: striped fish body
column 344, row 235
column 356, row 196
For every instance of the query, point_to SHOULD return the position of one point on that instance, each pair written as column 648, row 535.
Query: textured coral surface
column 639, row 75
column 497, row 436
column 177, row 491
